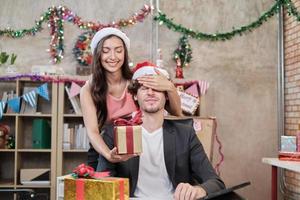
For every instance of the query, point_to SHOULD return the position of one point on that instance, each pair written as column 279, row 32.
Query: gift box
column 289, row 156
column 128, row 139
column 128, row 134
column 106, row 188
column 288, row 143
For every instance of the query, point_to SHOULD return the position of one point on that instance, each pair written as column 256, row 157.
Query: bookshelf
column 68, row 158
column 24, row 156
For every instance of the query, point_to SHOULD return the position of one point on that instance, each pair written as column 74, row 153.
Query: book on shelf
column 25, row 106
column 75, row 137
column 4, row 99
column 75, row 102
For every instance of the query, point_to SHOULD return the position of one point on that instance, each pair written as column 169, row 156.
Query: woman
column 104, row 97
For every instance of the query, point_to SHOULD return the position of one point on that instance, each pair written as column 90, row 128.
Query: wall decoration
column 82, row 50
column 163, row 19
column 29, row 97
column 4, row 58
column 55, row 16
column 182, row 55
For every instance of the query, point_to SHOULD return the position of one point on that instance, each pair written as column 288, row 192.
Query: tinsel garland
column 288, row 4
column 291, row 9
column 44, row 78
column 55, row 16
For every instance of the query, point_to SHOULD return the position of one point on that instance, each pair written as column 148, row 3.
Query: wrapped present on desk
column 128, row 135
column 289, row 156
column 288, row 143
column 85, row 184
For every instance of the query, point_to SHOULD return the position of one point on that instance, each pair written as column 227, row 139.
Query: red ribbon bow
column 136, row 120
column 85, row 171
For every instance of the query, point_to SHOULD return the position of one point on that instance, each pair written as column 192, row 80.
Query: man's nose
column 150, row 91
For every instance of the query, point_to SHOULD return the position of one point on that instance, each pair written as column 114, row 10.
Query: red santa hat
column 148, row 68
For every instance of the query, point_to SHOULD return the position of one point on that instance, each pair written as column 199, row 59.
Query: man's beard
column 151, row 109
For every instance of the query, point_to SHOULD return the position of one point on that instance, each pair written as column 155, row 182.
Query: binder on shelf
column 74, row 101
column 41, row 134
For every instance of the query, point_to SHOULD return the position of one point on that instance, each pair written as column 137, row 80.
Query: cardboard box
column 35, row 176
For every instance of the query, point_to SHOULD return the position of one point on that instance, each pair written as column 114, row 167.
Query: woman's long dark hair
column 99, row 86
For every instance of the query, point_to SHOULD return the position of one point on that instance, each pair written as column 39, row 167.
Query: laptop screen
column 226, row 191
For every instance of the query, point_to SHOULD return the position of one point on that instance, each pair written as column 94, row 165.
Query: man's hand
column 185, row 191
column 114, row 157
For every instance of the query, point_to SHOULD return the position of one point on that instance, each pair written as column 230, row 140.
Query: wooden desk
column 275, row 162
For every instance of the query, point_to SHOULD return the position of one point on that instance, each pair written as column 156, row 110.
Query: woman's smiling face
column 112, row 54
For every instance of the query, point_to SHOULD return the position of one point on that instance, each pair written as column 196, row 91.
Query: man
column 173, row 163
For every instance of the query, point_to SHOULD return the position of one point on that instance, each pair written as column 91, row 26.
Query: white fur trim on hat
column 149, row 70
column 109, row 31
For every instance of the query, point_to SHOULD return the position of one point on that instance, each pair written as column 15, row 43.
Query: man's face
column 149, row 100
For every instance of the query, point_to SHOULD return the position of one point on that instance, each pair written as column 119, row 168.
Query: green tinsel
column 288, row 4
column 291, row 9
column 183, row 52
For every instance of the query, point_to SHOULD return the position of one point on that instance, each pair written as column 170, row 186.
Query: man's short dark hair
column 133, row 87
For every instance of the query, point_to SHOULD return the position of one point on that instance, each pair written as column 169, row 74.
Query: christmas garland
column 288, row 4
column 55, row 16
column 44, row 78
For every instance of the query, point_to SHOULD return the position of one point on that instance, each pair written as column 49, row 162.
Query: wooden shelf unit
column 68, row 159
column 24, row 156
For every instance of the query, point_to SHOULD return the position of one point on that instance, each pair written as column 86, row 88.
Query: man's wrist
column 200, row 191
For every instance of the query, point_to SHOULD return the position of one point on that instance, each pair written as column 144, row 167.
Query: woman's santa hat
column 106, row 32
column 148, row 68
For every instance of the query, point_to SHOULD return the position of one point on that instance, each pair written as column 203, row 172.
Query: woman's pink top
column 120, row 107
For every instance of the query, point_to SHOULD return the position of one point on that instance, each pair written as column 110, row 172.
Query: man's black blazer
column 185, row 159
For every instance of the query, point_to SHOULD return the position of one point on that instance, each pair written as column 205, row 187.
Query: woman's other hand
column 158, row 82
column 114, row 157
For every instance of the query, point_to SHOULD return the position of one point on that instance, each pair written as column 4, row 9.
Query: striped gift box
column 128, row 139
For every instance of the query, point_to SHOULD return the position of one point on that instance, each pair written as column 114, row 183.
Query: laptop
column 225, row 191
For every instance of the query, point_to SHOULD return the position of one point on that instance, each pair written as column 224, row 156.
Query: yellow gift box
column 107, row 188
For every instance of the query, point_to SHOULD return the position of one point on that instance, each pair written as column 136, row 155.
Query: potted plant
column 4, row 58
